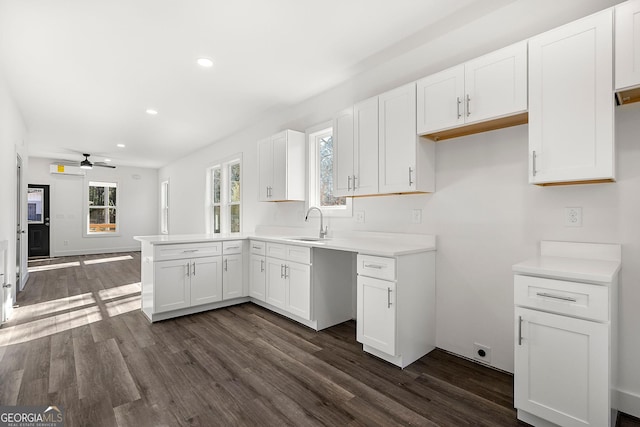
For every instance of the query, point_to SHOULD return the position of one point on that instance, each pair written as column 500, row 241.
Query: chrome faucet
column 323, row 229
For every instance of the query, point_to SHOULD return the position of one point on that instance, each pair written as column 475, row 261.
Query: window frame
column 225, row 203
column 313, row 133
column 87, row 209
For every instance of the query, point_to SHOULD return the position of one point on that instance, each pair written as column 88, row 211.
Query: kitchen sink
column 306, row 239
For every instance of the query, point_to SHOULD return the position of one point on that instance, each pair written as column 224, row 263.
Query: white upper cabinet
column 491, row 87
column 405, row 161
column 281, row 164
column 343, row 149
column 627, row 41
column 571, row 107
column 355, row 133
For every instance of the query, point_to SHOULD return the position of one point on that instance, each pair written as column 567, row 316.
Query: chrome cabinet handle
column 261, row 266
column 282, row 271
column 388, row 297
column 354, row 182
column 376, row 266
column 226, row 265
column 519, row 330
column 458, row 106
column 468, row 108
column 257, row 247
column 189, row 251
column 560, row 297
column 534, row 162
column 410, row 176
column 349, row 183
column 194, row 268
column 188, row 270
column 233, row 247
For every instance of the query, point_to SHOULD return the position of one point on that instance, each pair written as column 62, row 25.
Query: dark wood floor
column 79, row 340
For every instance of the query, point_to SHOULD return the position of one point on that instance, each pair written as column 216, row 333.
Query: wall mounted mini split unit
column 59, row 169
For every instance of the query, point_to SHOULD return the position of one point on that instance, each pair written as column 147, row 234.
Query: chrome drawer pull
column 560, row 297
column 190, row 251
column 233, row 247
column 388, row 297
column 376, row 266
column 257, row 247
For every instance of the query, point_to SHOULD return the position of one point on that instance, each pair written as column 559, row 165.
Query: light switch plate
column 416, row 216
column 359, row 217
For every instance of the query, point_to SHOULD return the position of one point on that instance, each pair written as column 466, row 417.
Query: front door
column 38, row 220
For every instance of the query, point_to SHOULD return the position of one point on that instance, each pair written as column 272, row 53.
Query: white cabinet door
column 298, row 300
column 627, row 30
column 265, row 169
column 366, row 124
column 279, row 167
column 343, row 152
column 496, row 84
column 561, row 368
column 206, row 280
column 276, row 292
column 571, row 107
column 397, row 140
column 171, row 287
column 232, row 276
column 376, row 314
column 440, row 100
column 257, row 277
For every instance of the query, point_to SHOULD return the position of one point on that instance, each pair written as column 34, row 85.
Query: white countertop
column 380, row 244
column 574, row 269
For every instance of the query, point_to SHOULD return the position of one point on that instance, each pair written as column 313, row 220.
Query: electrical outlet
column 573, row 217
column 416, row 216
column 359, row 217
column 482, row 353
column 66, row 243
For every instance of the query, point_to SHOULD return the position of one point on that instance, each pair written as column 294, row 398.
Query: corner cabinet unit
column 396, row 306
column 627, row 42
column 186, row 278
column 281, row 167
column 565, row 329
column 571, row 107
column 487, row 93
column 406, row 162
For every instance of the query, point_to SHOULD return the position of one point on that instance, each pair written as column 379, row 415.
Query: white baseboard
column 628, row 402
column 135, row 248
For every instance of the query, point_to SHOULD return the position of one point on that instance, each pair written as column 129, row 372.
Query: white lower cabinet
column 288, row 283
column 232, row 276
column 187, row 282
column 376, row 308
column 257, row 276
column 562, row 368
column 395, row 306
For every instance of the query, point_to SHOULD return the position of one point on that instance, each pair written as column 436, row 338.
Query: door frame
column 46, row 220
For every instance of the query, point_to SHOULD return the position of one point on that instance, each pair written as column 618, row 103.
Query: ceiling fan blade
column 103, row 165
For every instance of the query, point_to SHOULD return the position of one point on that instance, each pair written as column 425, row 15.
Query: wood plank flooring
column 79, row 340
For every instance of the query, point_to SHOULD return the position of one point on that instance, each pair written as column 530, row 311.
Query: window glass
column 102, row 200
column 325, row 172
column 224, row 197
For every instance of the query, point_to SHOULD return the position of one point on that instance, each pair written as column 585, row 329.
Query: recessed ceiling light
column 205, row 62
column 151, row 111
column 120, row 145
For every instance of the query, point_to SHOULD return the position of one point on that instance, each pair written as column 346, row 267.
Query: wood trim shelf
column 628, row 96
column 592, row 181
column 502, row 122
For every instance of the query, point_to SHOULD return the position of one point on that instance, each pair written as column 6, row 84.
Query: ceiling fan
column 86, row 164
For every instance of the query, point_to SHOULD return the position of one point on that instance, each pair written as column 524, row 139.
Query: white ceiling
column 83, row 72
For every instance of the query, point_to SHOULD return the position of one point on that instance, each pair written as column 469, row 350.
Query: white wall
column 485, row 214
column 12, row 143
column 138, row 191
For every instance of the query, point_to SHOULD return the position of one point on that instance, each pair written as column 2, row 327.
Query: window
column 224, row 196
column 321, row 157
column 164, row 207
column 102, row 215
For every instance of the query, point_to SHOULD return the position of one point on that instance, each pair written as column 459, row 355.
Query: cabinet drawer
column 187, row 250
column 232, row 247
column 378, row 267
column 299, row 254
column 257, row 247
column 558, row 296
